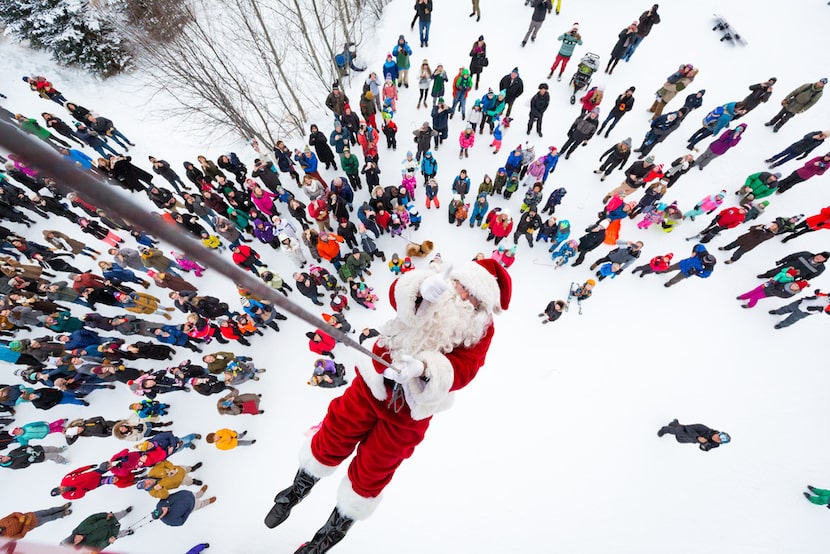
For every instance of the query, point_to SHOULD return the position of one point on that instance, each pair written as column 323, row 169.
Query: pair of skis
column 571, row 295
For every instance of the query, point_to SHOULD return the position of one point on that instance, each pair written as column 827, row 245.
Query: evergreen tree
column 74, row 31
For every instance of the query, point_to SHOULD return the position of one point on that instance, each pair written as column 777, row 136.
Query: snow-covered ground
column 553, row 447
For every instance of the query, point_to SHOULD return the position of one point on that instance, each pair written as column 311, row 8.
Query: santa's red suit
column 451, row 337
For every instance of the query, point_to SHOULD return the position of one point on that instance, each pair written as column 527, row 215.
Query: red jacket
column 318, row 210
column 326, row 344
column 819, row 221
column 500, row 229
column 731, row 217
column 244, row 255
column 82, row 481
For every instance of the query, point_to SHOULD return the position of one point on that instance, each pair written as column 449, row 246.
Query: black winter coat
column 512, row 90
column 321, row 145
column 538, row 104
column 591, row 239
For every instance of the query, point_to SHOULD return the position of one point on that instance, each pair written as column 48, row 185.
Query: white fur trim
column 352, row 505
column 310, row 465
column 426, row 399
column 407, row 290
column 480, row 283
column 372, row 378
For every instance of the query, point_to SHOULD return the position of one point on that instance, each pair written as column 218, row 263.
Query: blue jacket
column 391, row 68
column 166, row 441
column 79, row 158
column 550, row 164
column 480, row 209
column 83, row 338
column 177, row 336
column 179, row 507
column 308, row 163
column 694, row 265
column 514, row 162
column 555, row 198
column 429, row 166
column 344, row 191
column 461, row 186
column 120, row 274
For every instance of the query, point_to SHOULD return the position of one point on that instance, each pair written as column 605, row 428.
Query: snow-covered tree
column 76, row 32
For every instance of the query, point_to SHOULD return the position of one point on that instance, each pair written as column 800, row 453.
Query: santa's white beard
column 450, row 323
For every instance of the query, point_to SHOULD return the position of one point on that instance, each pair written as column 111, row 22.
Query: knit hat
column 632, row 89
column 627, row 142
column 543, row 86
column 143, row 485
column 595, row 110
column 480, row 37
column 487, row 281
column 441, row 100
column 307, row 148
column 650, row 159
column 823, row 80
column 802, row 284
column 369, row 95
column 764, row 204
column 773, row 79
column 335, row 86
column 777, row 175
column 724, row 437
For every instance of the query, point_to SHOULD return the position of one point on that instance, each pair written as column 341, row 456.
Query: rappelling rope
column 69, row 178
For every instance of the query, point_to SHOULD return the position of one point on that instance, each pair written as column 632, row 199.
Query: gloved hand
column 434, row 286
column 404, row 369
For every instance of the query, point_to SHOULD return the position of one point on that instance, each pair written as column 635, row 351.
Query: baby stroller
column 588, row 65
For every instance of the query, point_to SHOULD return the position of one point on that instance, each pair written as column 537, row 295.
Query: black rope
column 101, row 193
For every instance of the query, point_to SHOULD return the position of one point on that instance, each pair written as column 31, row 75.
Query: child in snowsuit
column 565, row 252
column 608, row 269
column 658, row 264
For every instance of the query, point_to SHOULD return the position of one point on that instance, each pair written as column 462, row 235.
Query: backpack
column 712, row 117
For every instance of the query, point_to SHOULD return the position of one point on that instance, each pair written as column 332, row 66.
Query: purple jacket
column 727, row 140
column 816, row 166
column 264, row 230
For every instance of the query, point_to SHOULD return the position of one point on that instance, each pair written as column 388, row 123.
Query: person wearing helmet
column 706, row 438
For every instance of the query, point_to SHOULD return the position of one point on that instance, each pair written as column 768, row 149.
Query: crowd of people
column 323, row 206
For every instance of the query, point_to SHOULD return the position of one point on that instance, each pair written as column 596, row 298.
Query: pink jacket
column 465, row 140
column 816, row 166
column 264, row 203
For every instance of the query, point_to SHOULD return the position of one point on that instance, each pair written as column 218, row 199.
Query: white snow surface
column 552, row 448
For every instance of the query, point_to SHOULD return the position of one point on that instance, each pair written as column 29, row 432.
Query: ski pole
column 69, row 177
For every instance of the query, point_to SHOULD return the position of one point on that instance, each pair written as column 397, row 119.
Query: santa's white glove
column 404, row 369
column 435, row 285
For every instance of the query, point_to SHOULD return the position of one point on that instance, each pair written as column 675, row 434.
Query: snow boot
column 329, row 534
column 290, row 497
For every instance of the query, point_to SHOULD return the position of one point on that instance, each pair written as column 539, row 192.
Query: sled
column 728, row 32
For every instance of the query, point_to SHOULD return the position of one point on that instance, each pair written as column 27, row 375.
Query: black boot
column 290, row 497
column 329, row 534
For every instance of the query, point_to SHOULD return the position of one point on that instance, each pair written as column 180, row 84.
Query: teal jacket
column 569, row 42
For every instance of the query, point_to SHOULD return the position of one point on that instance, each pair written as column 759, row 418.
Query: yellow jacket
column 225, row 439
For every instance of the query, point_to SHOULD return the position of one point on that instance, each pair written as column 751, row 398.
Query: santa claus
column 435, row 346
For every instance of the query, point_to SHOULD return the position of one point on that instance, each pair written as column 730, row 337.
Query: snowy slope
column 553, row 448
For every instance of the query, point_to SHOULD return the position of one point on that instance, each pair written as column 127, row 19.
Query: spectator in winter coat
column 749, row 240
column 661, row 127
column 625, row 39
column 440, row 121
column 818, row 303
column 423, row 138
column 658, row 264
column 617, row 158
column 569, row 41
column 98, row 531
column 528, row 224
column 718, row 147
column 553, row 311
column 811, row 168
column 593, row 237
column 808, row 265
column 705, row 438
column 161, row 167
column 336, row 101
column 800, row 148
column 623, row 105
column 759, row 94
column 513, row 87
column 581, row 131
column 758, row 185
column 625, row 254
column 541, row 8
column 701, row 264
column 676, row 82
column 538, row 105
column 813, row 223
column 77, row 483
column 401, row 52
column 648, row 19
column 798, row 101
column 228, row 439
column 17, row 525
column 773, row 287
column 176, row 508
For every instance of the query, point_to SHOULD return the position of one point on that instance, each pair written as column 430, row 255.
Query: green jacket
column 351, row 165
column 65, row 322
column 97, row 530
column 757, row 183
column 33, row 127
column 803, row 98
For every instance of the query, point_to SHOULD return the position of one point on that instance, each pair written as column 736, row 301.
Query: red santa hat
column 488, row 281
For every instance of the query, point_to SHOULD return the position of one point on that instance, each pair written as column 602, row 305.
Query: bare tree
column 235, row 72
